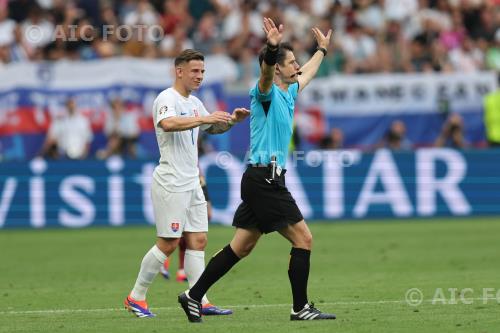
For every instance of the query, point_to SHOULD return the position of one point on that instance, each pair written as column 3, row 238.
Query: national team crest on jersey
column 195, row 112
column 175, row 226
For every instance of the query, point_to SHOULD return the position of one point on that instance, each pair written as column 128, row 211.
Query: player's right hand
column 273, row 34
column 218, row 117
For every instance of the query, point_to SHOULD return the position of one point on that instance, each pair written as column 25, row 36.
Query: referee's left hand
column 239, row 114
column 322, row 40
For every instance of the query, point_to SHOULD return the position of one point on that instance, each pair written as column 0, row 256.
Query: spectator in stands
column 420, row 60
column 207, row 37
column 19, row 49
column 243, row 28
column 493, row 54
column 492, row 116
column 400, row 9
column 69, row 136
column 372, row 35
column 175, row 13
column 452, row 133
column 4, row 56
column 13, row 46
column 7, row 26
column 439, row 58
column 298, row 17
column 334, row 140
column 361, row 51
column 248, row 67
column 395, row 137
column 37, row 28
column 394, row 53
column 173, row 44
column 369, row 15
column 122, row 131
column 140, row 38
column 143, row 14
column 467, row 58
column 19, row 9
column 453, row 37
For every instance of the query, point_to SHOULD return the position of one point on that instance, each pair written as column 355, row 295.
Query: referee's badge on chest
column 195, row 112
column 175, row 226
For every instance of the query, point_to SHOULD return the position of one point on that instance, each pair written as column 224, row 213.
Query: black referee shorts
column 266, row 206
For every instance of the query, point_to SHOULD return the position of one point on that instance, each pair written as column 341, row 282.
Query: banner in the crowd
column 77, row 75
column 327, row 185
column 361, row 106
column 31, row 95
column 364, row 106
column 362, row 95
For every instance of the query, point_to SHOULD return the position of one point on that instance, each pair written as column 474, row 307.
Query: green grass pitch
column 63, row 280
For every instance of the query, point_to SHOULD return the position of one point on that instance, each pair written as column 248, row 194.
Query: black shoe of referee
column 191, row 307
column 309, row 312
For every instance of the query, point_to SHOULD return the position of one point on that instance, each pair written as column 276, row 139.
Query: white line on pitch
column 170, row 308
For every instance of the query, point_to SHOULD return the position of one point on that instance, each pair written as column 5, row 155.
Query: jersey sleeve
column 260, row 96
column 293, row 89
column 164, row 108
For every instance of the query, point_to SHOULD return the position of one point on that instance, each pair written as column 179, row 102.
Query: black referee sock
column 217, row 267
column 298, row 273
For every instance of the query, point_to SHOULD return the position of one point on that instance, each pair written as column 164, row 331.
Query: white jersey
column 178, row 168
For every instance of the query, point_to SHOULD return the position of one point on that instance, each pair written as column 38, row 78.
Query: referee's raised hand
column 322, row 40
column 273, row 34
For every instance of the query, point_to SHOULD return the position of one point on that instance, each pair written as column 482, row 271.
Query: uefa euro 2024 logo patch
column 163, row 110
column 175, row 226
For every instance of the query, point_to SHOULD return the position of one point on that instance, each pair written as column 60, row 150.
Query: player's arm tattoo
column 219, row 128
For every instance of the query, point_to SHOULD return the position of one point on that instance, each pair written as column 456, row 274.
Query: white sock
column 150, row 267
column 194, row 265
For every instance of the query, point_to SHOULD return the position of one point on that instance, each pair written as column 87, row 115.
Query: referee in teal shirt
column 267, row 204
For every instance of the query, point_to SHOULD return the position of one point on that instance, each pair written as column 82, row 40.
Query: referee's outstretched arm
column 274, row 36
column 310, row 68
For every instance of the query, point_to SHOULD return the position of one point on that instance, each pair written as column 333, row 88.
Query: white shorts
column 176, row 212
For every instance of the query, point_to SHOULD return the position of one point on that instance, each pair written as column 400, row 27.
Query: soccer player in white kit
column 178, row 201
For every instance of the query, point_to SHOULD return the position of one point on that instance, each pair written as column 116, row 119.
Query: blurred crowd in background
column 369, row 35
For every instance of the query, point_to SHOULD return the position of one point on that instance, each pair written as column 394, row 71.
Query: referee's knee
column 305, row 241
column 242, row 250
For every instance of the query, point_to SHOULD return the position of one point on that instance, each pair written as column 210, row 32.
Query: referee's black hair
column 282, row 50
column 188, row 55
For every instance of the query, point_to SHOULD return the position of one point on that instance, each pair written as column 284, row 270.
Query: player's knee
column 195, row 240
column 167, row 245
column 197, row 243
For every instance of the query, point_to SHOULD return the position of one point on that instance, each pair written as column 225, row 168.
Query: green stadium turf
column 63, row 280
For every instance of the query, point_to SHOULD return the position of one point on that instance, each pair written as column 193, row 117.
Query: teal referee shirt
column 271, row 123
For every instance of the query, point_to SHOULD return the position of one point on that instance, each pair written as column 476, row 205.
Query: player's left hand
column 321, row 39
column 239, row 114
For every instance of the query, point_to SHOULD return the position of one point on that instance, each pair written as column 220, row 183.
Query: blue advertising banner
column 327, row 185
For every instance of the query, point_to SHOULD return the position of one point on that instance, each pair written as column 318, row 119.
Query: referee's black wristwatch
column 322, row 49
